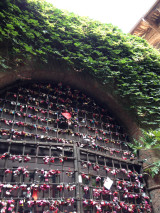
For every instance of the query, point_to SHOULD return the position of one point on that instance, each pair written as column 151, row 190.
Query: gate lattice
column 61, row 152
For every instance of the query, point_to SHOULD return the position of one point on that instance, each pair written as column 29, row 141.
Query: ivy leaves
column 35, row 30
column 150, row 141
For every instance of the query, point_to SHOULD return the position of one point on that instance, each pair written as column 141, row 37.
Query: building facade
column 148, row 27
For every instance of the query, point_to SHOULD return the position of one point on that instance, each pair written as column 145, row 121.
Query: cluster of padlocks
column 62, row 152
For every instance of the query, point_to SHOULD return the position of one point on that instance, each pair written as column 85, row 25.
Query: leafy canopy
column 34, row 30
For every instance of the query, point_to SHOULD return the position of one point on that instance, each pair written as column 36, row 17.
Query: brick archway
column 86, row 83
column 45, row 154
column 77, row 80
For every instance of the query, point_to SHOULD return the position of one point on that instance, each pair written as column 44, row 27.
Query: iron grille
column 62, row 152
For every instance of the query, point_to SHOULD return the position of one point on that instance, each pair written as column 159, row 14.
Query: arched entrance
column 63, row 151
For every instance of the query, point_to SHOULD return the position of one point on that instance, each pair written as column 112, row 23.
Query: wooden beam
column 153, row 12
column 152, row 25
column 146, row 15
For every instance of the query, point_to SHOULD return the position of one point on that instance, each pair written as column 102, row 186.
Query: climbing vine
column 149, row 141
column 34, row 30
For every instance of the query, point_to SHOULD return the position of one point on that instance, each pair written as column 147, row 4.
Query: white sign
column 108, row 183
column 80, row 178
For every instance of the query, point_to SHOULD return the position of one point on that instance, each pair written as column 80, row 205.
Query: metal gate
column 62, row 152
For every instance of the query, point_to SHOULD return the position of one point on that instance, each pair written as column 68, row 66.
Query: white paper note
column 108, row 183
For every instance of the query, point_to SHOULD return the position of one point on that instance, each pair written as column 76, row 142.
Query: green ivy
column 36, row 30
column 154, row 169
column 149, row 141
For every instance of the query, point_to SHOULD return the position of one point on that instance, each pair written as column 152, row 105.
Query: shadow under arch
column 78, row 80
